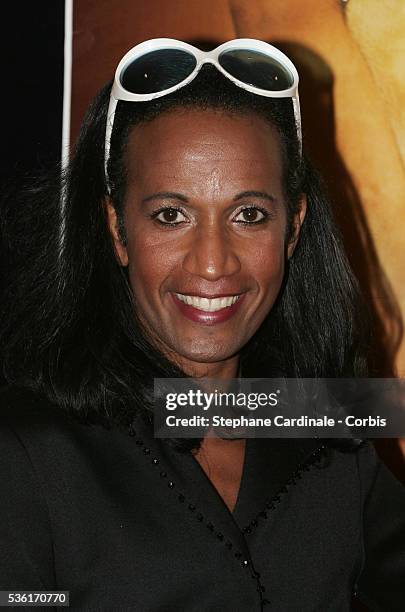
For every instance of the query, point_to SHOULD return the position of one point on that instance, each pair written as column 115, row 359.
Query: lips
column 208, row 311
column 208, row 304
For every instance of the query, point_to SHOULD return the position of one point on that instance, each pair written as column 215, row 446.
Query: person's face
column 205, row 219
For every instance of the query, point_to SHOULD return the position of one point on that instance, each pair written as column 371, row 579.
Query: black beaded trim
column 271, row 504
column 244, row 563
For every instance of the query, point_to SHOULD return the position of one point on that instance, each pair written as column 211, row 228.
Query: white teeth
column 206, row 304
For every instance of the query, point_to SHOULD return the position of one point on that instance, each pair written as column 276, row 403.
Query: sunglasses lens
column 157, row 71
column 257, row 69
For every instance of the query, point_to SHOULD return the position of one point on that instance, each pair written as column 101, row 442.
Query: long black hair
column 68, row 326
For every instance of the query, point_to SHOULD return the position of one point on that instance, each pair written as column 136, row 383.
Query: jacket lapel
column 269, row 465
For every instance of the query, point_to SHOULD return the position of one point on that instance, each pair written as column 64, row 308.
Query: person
column 173, row 203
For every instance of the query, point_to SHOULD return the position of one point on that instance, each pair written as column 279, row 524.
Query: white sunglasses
column 159, row 66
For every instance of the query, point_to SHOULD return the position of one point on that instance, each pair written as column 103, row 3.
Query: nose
column 211, row 254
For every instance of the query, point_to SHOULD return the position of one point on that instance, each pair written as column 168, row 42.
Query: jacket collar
column 269, row 465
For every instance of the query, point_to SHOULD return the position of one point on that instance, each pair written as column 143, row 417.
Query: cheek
column 266, row 262
column 269, row 278
column 149, row 264
column 272, row 277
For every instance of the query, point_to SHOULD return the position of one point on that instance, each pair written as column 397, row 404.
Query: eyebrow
column 254, row 194
column 165, row 195
column 171, row 195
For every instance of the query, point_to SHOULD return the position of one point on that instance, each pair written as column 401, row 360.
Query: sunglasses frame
column 118, row 92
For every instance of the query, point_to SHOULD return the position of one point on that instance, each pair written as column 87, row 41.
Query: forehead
column 189, row 145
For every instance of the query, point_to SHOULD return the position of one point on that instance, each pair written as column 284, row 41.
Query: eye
column 169, row 216
column 251, row 215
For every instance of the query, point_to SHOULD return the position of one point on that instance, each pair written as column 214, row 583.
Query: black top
column 126, row 522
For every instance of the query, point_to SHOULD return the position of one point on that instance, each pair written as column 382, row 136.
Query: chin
column 201, row 353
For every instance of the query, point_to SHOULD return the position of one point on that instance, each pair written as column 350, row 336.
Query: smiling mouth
column 208, row 304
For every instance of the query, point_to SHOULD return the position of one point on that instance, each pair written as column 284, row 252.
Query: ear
column 297, row 223
column 120, row 248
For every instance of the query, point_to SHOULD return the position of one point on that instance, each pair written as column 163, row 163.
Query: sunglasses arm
column 108, row 131
column 297, row 115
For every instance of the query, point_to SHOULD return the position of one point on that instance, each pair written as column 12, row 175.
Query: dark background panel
column 32, row 40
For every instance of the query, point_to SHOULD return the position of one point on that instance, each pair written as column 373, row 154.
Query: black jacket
column 126, row 522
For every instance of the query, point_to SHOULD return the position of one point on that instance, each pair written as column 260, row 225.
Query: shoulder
column 29, row 427
column 18, row 405
column 374, row 473
column 22, row 411
column 35, row 430
column 381, row 582
column 380, row 488
column 27, row 411
column 42, row 436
